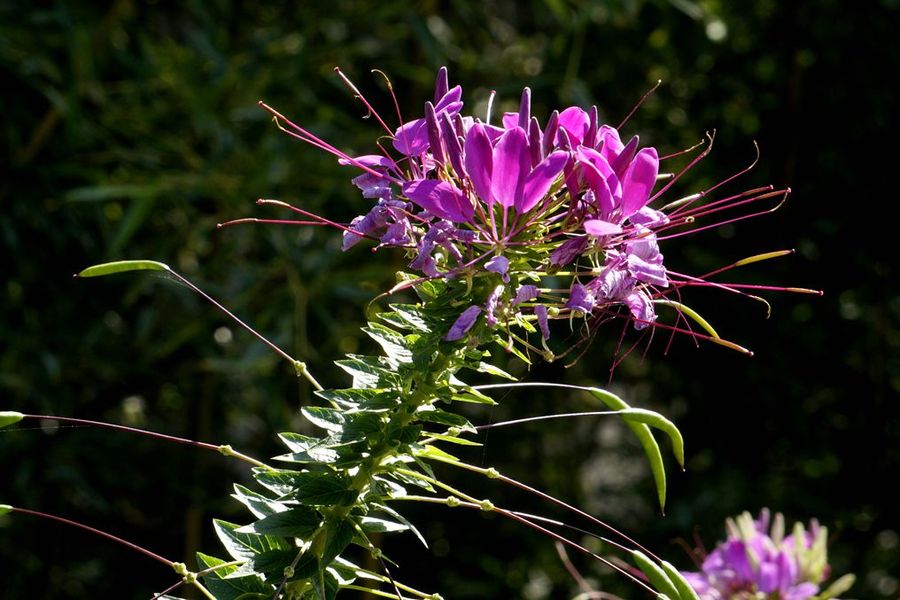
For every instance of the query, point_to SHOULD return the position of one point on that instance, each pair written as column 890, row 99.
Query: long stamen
column 711, row 138
column 640, row 102
column 359, row 95
column 307, row 136
column 306, row 213
column 783, row 193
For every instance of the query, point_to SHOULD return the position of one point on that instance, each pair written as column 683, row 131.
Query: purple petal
column 620, row 163
column 450, row 101
column 598, row 227
column 649, row 217
column 411, row 138
column 535, row 142
column 540, row 180
column 441, row 84
column 440, row 198
column 612, row 144
column 569, row 251
column 368, row 160
column 576, row 122
column 509, row 120
column 641, row 309
column 525, row 109
column 491, row 305
column 511, row 166
column 451, row 141
column 434, row 134
column 804, row 591
column 614, row 283
column 499, row 264
column 601, row 179
column 541, row 312
column 581, row 298
column 396, row 235
column 526, row 293
column 639, row 181
column 479, row 162
column 373, row 186
column 463, row 324
column 593, row 121
column 550, row 132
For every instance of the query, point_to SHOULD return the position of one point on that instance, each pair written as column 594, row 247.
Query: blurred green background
column 130, row 129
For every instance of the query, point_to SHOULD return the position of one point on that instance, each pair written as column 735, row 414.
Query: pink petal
column 599, row 227
column 639, row 181
column 510, row 120
column 440, row 198
column 479, row 162
column 511, row 166
column 576, row 122
column 540, row 180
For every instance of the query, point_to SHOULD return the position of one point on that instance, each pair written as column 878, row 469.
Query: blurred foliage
column 130, row 129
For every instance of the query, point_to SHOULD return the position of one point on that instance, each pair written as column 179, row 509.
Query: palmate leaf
column 256, row 503
column 323, row 489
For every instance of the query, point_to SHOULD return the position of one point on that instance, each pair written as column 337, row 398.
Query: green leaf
column 307, row 449
column 407, row 316
column 453, row 439
column 403, row 520
column 329, row 419
column 658, row 578
column 338, row 537
column 123, row 266
column 644, row 436
column 256, row 503
column 376, row 525
column 394, row 345
column 370, row 372
column 430, row 414
column 371, row 399
column 298, row 521
column 323, row 489
column 486, row 367
column 10, row 417
column 238, row 588
column 5, row 508
column 429, row 451
column 685, row 591
column 325, row 585
column 280, row 481
column 243, row 546
column 656, row 420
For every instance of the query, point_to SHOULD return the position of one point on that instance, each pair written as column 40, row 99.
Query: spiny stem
column 225, row 450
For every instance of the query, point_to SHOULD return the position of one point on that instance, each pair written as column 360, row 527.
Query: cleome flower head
column 761, row 562
column 545, row 220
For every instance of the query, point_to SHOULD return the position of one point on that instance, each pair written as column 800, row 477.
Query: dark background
column 130, row 129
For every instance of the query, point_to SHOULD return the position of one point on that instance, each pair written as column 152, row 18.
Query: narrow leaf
column 299, row 521
column 9, row 417
column 123, row 266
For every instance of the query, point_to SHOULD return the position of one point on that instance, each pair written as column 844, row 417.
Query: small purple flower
column 581, row 298
column 499, row 264
column 526, row 293
column 540, row 312
column 754, row 563
column 463, row 324
column 569, row 250
column 491, row 306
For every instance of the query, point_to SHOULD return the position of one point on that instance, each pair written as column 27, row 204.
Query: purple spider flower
column 759, row 562
column 500, row 205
